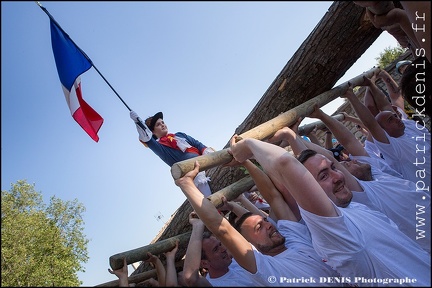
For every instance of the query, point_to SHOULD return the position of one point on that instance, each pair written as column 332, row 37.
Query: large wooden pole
column 232, row 191
column 140, row 254
column 267, row 129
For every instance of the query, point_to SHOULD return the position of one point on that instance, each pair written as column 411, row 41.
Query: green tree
column 40, row 245
column 389, row 55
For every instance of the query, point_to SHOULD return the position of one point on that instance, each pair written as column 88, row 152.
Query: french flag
column 71, row 64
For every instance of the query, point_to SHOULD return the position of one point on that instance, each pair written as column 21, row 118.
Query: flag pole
column 85, row 55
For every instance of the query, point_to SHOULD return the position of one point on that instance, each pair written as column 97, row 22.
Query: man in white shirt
column 394, row 196
column 404, row 143
column 361, row 244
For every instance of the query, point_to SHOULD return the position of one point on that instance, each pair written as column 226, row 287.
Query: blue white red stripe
column 71, row 63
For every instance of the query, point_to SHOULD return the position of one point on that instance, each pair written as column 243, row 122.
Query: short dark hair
column 305, row 155
column 239, row 222
column 206, row 235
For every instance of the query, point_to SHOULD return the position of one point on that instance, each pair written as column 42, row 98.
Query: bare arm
column 290, row 136
column 192, row 259
column 380, row 99
column 366, row 117
column 249, row 206
column 369, row 102
column 270, row 193
column 238, row 209
column 352, row 119
column 282, row 166
column 171, row 272
column 328, row 143
column 239, row 247
column 122, row 274
column 393, row 89
column 342, row 134
column 313, row 138
column 397, row 23
column 160, row 269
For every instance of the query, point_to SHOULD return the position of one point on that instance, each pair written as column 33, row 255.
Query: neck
column 276, row 250
column 216, row 273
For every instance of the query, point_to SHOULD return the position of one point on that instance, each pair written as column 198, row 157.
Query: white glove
column 144, row 134
column 134, row 116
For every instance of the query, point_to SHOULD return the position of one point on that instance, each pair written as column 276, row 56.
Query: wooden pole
column 306, row 129
column 140, row 277
column 232, row 191
column 267, row 129
column 140, row 254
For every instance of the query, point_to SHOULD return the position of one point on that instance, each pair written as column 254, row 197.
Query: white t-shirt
column 236, row 276
column 372, row 149
column 364, row 246
column 398, row 199
column 403, row 152
column 379, row 163
column 299, row 265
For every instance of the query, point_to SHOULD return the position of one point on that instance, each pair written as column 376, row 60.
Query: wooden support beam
column 267, row 129
column 232, row 191
column 140, row 254
column 138, row 277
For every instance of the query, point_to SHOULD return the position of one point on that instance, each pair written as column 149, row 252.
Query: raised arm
column 397, row 23
column 393, row 89
column 160, row 269
column 239, row 247
column 192, row 260
column 122, row 274
column 342, row 134
column 366, row 117
column 171, row 272
column 270, row 193
column 289, row 135
column 281, row 165
column 313, row 138
column 380, row 99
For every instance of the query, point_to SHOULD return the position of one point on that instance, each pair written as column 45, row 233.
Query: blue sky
column 205, row 65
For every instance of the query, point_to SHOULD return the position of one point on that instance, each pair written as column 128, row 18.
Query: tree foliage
column 389, row 55
column 40, row 245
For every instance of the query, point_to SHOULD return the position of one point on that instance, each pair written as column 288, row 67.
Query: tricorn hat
column 151, row 121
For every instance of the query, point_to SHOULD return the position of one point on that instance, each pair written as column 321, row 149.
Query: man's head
column 331, row 180
column 391, row 123
column 214, row 256
column 261, row 234
column 157, row 125
column 359, row 169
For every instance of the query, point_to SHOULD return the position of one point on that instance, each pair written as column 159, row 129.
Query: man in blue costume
column 171, row 147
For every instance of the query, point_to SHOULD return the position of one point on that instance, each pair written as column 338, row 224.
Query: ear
column 204, row 264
